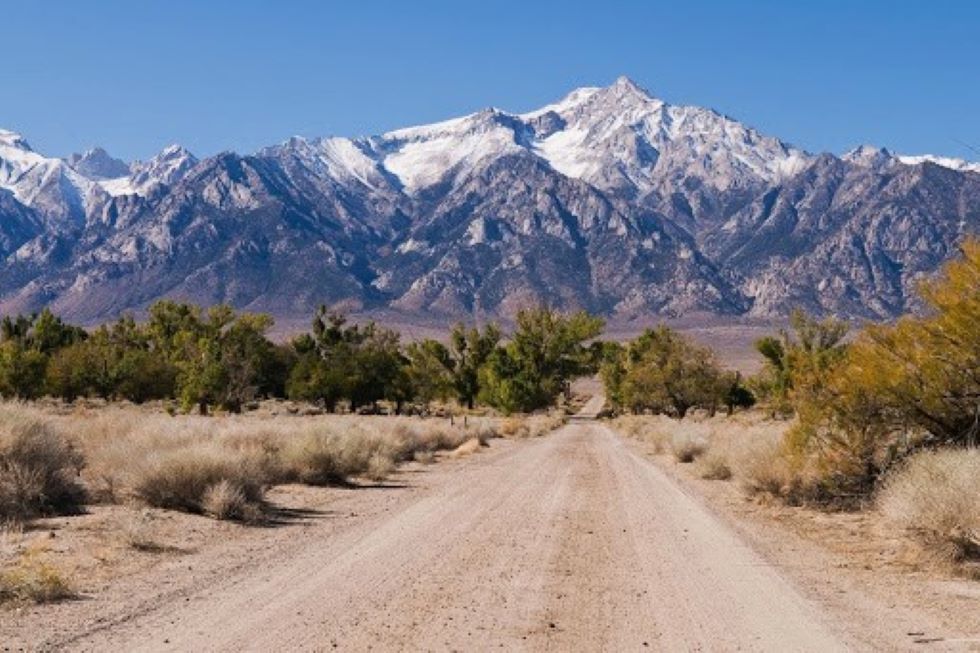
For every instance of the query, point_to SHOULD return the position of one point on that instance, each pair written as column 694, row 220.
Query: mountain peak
column 96, row 163
column 15, row 140
column 167, row 167
column 869, row 156
column 174, row 151
column 625, row 84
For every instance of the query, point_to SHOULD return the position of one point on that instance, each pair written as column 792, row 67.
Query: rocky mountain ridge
column 609, row 200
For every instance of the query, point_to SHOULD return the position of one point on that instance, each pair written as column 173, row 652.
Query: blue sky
column 135, row 76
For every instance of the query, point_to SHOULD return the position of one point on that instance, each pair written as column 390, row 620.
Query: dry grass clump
column 201, row 478
column 173, row 462
column 654, row 430
column 137, row 533
column 714, row 467
column 33, row 579
column 424, row 457
column 687, row 447
column 332, row 454
column 745, row 447
column 935, row 495
column 227, row 500
column 322, row 456
column 39, row 469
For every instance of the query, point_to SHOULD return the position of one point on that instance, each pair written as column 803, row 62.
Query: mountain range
column 609, row 200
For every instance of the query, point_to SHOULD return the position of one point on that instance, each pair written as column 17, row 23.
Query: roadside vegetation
column 349, row 403
column 663, row 372
column 218, row 359
column 887, row 417
column 58, row 460
column 53, row 464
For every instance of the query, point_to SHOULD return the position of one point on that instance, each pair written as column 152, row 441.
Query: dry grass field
column 138, row 478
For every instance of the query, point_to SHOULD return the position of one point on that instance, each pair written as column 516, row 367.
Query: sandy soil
column 575, row 541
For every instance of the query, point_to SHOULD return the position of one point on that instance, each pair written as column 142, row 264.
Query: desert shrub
column 935, row 495
column 748, row 447
column 410, row 438
column 218, row 466
column 773, row 474
column 33, row 579
column 424, row 457
column 323, row 456
column 714, row 466
column 137, row 532
column 654, row 430
column 39, row 470
column 514, row 427
column 225, row 500
column 543, row 424
column 466, row 448
column 896, row 388
column 181, row 479
column 530, row 426
column 484, row 430
column 379, row 466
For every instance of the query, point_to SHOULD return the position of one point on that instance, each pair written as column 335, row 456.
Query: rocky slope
column 609, row 200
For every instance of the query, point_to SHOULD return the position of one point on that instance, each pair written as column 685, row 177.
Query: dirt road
column 568, row 542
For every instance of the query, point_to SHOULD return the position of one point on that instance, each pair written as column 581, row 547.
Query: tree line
column 221, row 358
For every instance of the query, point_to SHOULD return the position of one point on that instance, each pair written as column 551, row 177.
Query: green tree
column 218, row 359
column 895, row 388
column 362, row 364
column 314, row 379
column 664, row 372
column 612, row 371
column 378, row 368
column 49, row 333
column 470, row 349
column 143, row 375
column 736, row 393
column 800, row 357
column 69, row 372
column 546, row 351
column 506, row 385
column 169, row 325
column 429, row 371
column 22, row 371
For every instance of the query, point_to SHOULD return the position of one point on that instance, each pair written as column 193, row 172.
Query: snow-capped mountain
column 869, row 155
column 67, row 189
column 609, row 199
column 615, row 138
column 97, row 164
column 49, row 186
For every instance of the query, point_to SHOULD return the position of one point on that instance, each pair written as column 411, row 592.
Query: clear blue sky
column 134, row 76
